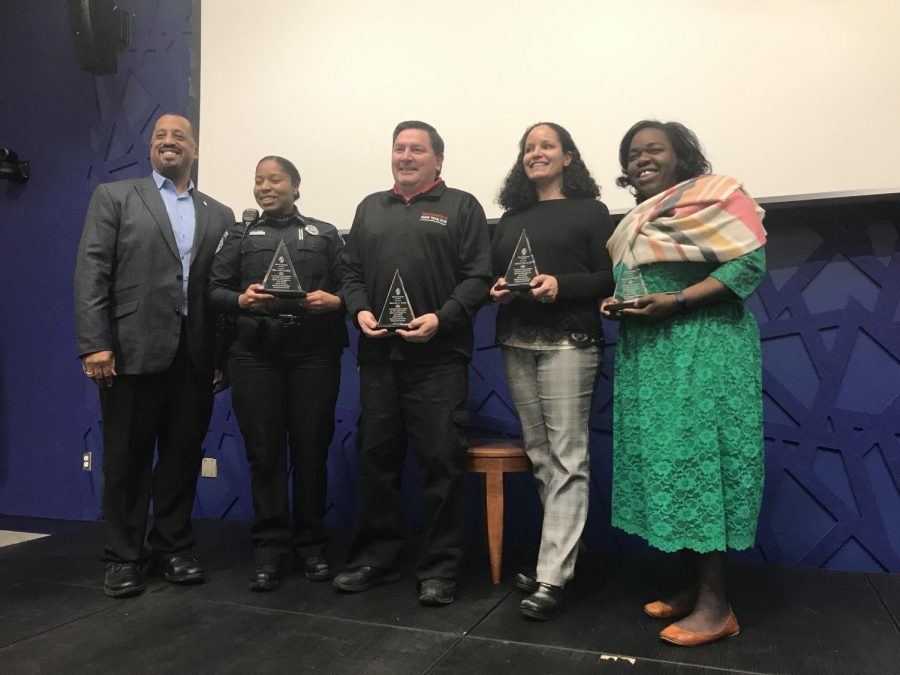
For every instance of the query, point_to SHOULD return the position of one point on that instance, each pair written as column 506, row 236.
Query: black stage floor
column 54, row 618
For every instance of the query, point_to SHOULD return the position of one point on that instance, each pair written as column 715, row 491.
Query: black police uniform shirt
column 245, row 254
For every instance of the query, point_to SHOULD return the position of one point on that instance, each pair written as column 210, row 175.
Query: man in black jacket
column 144, row 336
column 415, row 380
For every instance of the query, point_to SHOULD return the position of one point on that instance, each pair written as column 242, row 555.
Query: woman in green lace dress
column 688, row 443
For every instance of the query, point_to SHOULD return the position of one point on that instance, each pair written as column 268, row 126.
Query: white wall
column 792, row 96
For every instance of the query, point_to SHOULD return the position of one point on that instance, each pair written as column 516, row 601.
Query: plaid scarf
column 704, row 219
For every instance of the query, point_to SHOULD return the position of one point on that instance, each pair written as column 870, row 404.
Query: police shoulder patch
column 222, row 241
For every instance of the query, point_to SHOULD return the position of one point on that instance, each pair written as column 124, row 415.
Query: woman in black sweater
column 551, row 338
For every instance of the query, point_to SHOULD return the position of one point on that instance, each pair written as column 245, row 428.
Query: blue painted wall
column 829, row 312
column 77, row 130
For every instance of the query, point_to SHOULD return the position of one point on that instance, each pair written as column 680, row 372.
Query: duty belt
column 290, row 319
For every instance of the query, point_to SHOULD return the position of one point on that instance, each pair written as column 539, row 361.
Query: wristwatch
column 680, row 299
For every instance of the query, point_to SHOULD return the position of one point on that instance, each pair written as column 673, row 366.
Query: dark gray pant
column 168, row 412
column 427, row 402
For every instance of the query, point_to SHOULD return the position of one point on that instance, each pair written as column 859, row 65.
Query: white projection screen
column 794, row 97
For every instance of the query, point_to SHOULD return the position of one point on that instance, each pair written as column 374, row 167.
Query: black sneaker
column 436, row 591
column 315, row 568
column 363, row 578
column 123, row 580
column 264, row 578
column 545, row 603
column 526, row 582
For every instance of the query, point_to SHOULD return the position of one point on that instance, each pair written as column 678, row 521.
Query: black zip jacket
column 439, row 242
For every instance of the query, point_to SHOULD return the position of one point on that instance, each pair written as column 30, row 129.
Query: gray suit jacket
column 128, row 285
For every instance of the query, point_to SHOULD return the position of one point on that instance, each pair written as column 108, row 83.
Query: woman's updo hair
column 288, row 167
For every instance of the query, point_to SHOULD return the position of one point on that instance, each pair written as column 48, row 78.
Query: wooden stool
column 494, row 458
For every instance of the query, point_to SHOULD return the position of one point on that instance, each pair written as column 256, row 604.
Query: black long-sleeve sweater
column 568, row 239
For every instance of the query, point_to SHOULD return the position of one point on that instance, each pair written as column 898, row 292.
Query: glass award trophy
column 522, row 268
column 397, row 312
column 281, row 280
column 629, row 287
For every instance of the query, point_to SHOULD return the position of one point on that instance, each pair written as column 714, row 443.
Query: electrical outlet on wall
column 209, row 468
column 86, row 460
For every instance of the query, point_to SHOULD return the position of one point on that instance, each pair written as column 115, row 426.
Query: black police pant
column 169, row 412
column 280, row 396
column 428, row 402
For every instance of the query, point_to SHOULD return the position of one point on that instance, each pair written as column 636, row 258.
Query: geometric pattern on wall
column 829, row 315
column 153, row 77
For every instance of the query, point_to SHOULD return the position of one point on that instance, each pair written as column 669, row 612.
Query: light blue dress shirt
column 184, row 221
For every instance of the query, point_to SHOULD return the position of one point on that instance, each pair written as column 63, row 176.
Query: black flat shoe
column 526, row 582
column 363, row 578
column 180, row 568
column 123, row 580
column 315, row 568
column 436, row 591
column 545, row 603
column 264, row 578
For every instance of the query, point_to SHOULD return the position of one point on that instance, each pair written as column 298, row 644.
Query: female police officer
column 284, row 368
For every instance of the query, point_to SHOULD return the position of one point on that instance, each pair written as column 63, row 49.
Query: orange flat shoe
column 687, row 638
column 663, row 610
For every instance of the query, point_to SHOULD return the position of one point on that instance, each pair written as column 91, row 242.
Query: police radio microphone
column 250, row 216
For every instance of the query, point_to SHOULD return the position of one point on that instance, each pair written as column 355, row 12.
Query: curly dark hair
column 691, row 162
column 519, row 192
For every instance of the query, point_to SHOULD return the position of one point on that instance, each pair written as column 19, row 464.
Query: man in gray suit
column 145, row 337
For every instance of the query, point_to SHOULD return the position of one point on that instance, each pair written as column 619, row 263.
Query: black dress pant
column 170, row 412
column 280, row 395
column 428, row 401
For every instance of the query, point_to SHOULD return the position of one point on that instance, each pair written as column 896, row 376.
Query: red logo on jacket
column 428, row 217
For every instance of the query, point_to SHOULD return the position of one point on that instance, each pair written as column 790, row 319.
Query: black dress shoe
column 315, row 568
column 545, row 603
column 123, row 580
column 526, row 582
column 181, row 568
column 363, row 578
column 436, row 591
column 265, row 578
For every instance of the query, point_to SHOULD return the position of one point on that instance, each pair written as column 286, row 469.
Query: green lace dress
column 688, row 443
